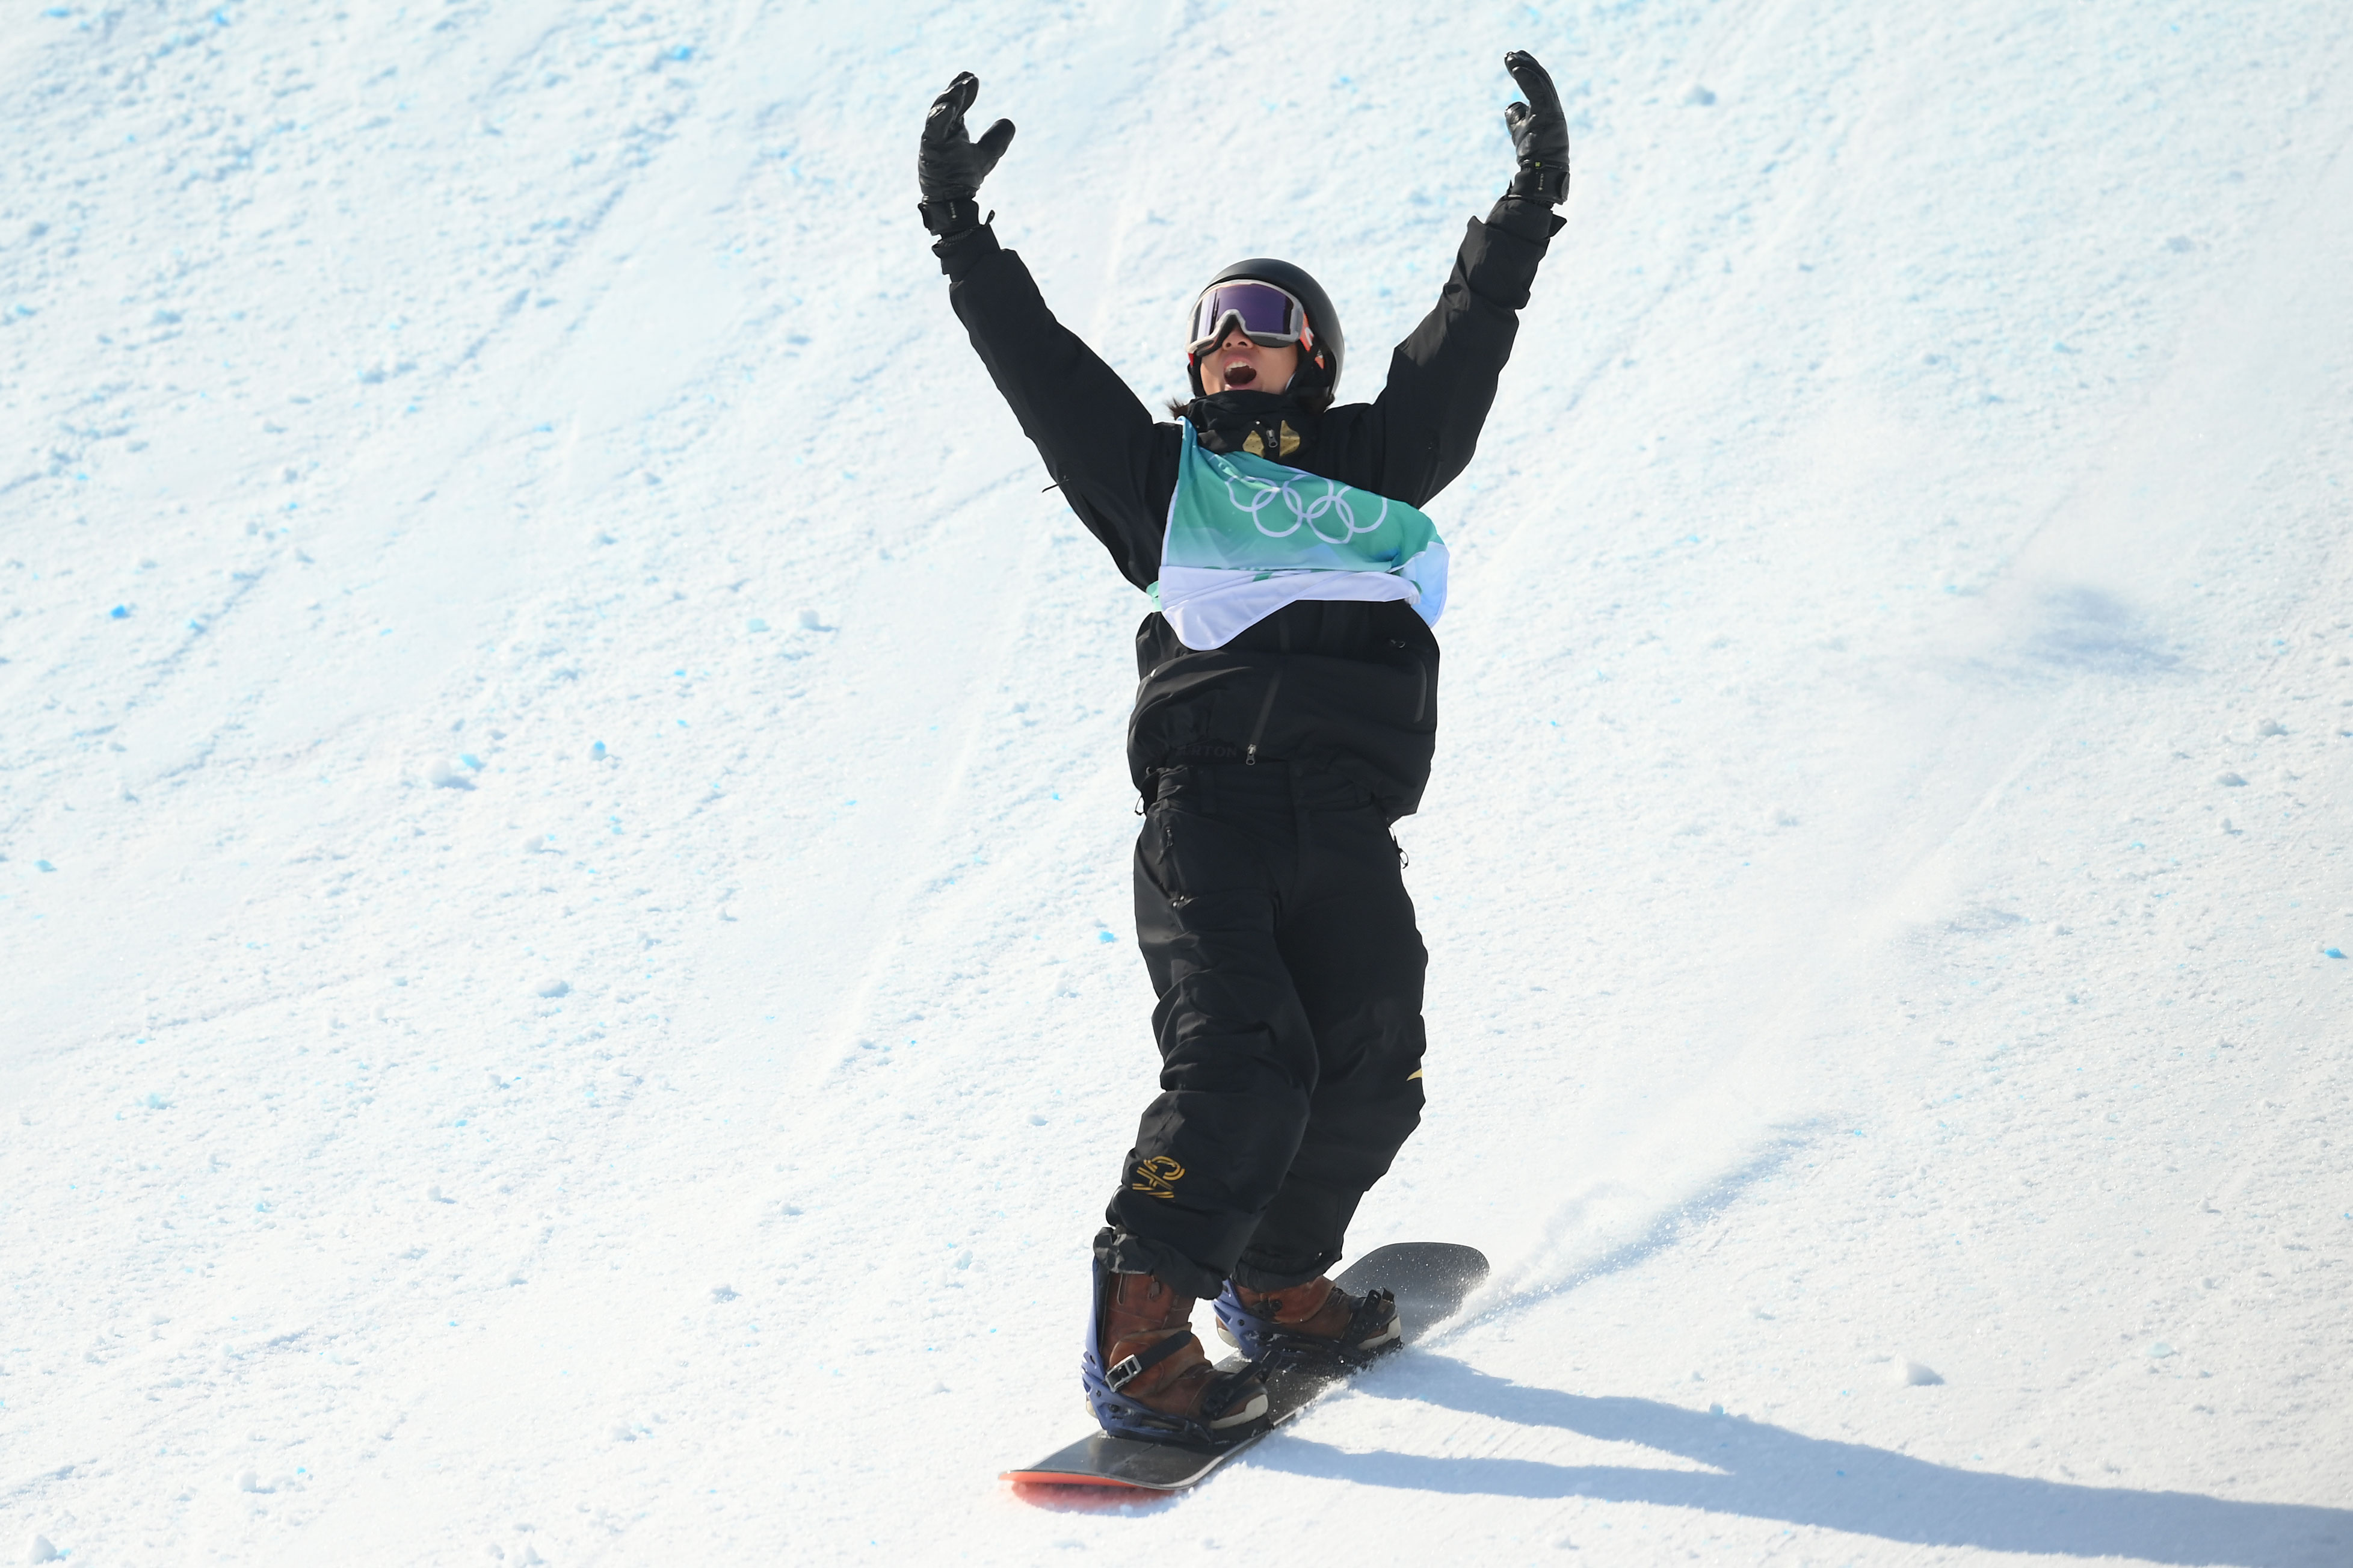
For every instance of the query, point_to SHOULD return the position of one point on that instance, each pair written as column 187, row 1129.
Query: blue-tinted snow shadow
column 1770, row 1473
column 2084, row 628
column 1668, row 1228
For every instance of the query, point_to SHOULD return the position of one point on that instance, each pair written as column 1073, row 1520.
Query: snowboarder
column 1285, row 719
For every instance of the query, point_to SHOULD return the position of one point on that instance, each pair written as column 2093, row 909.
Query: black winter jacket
column 1338, row 687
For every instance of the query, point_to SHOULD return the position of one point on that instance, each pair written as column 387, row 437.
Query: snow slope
column 565, row 989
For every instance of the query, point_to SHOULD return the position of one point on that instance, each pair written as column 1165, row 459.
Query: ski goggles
column 1268, row 316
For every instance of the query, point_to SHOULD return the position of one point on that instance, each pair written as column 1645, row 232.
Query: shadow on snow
column 1770, row 1473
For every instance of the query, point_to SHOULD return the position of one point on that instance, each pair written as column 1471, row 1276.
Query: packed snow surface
column 565, row 989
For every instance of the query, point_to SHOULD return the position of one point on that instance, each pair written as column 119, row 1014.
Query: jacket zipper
column 1249, row 753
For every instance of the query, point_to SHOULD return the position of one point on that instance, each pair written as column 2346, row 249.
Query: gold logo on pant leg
column 1159, row 1177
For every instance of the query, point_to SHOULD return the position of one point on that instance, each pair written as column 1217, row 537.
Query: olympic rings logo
column 1304, row 511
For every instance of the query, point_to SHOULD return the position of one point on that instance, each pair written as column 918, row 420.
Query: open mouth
column 1241, row 373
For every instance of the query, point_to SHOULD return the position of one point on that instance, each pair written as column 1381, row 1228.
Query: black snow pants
column 1279, row 936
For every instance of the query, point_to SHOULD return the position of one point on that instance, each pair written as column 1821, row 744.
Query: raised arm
column 1116, row 469
column 1425, row 425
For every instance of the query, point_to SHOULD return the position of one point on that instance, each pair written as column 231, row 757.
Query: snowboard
column 1429, row 1279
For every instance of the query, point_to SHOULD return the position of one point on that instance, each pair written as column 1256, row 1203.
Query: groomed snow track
column 565, row 982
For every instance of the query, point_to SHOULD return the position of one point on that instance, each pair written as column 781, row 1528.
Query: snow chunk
column 446, row 775
column 1698, row 97
column 38, row 1550
column 2230, row 781
column 722, row 1293
column 555, row 988
column 1915, row 1375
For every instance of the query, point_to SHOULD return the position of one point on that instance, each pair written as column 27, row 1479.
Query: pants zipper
column 1249, row 753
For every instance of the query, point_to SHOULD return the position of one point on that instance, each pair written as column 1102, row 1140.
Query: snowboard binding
column 1257, row 1330
column 1231, row 1408
column 1430, row 1281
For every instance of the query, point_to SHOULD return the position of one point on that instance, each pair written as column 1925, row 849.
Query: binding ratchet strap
column 1372, row 1314
column 1143, row 1362
column 1219, row 1397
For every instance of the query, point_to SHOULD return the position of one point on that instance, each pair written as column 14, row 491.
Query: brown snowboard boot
column 1151, row 1359
column 1317, row 1319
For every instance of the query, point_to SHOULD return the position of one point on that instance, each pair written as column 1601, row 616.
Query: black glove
column 1539, row 132
column 951, row 165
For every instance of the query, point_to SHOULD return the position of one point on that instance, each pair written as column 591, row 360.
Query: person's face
column 1238, row 364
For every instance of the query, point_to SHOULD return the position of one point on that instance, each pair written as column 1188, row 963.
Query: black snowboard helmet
column 1319, row 366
